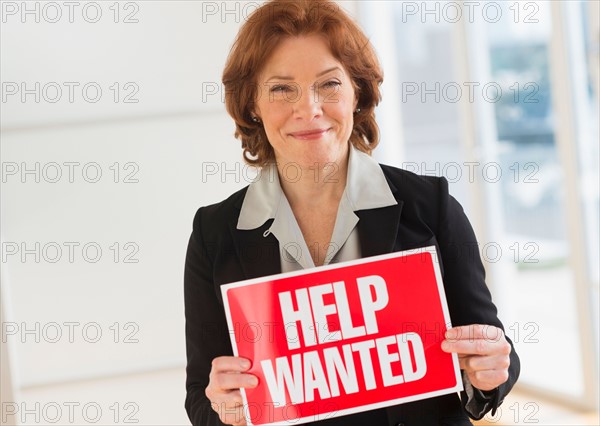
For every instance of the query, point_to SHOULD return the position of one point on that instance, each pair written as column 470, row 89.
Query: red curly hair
column 258, row 37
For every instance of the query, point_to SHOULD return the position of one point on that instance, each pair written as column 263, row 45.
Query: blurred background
column 113, row 132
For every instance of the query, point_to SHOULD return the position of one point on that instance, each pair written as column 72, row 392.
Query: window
column 502, row 99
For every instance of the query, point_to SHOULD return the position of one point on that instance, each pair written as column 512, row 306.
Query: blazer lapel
column 258, row 255
column 378, row 229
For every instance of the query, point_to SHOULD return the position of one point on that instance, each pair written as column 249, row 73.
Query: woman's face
column 306, row 102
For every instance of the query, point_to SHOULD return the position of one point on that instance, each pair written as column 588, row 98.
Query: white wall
column 174, row 52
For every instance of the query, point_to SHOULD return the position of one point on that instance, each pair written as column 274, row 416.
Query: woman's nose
column 308, row 104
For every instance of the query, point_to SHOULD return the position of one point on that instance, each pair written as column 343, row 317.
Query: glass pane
column 589, row 150
column 532, row 197
column 430, row 93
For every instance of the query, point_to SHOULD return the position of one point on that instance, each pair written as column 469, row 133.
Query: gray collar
column 366, row 188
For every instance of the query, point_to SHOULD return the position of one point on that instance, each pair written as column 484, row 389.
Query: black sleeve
column 469, row 299
column 206, row 332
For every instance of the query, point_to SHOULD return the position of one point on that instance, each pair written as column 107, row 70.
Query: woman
column 302, row 82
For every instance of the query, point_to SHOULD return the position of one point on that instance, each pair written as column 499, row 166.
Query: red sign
column 343, row 338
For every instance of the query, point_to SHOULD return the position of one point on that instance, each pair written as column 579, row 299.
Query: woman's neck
column 313, row 186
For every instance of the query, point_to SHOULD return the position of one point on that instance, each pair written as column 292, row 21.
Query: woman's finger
column 230, row 364
column 477, row 347
column 473, row 332
column 471, row 363
column 488, row 379
column 229, row 381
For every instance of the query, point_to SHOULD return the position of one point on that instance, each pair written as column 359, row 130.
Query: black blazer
column 426, row 214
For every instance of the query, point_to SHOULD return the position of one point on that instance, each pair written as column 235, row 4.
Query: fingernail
column 444, row 345
column 450, row 334
column 253, row 381
column 245, row 364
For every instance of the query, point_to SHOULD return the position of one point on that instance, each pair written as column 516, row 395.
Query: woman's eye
column 331, row 84
column 280, row 88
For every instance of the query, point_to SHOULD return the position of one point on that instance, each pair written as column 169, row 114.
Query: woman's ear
column 254, row 116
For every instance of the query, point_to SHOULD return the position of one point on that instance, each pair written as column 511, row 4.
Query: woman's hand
column 483, row 353
column 223, row 391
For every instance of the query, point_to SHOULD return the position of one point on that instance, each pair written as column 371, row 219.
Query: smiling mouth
column 310, row 134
